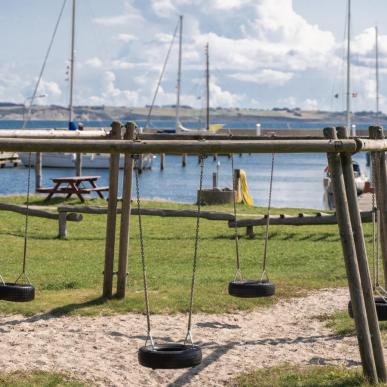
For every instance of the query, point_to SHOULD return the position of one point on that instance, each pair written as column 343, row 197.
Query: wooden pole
column 350, row 259
column 362, row 259
column 111, row 215
column 78, row 164
column 379, row 158
column 184, row 160
column 162, row 161
column 125, row 216
column 38, row 171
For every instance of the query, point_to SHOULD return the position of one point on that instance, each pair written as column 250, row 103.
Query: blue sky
column 263, row 53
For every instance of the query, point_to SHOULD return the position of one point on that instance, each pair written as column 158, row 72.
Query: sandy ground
column 104, row 349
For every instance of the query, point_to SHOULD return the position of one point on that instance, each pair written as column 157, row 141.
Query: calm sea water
column 297, row 177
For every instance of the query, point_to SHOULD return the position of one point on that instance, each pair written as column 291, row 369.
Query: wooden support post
column 111, row 215
column 162, row 161
column 250, row 231
column 38, row 171
column 62, row 225
column 78, row 164
column 125, row 216
column 380, row 173
column 362, row 260
column 350, row 259
column 214, row 180
column 184, row 160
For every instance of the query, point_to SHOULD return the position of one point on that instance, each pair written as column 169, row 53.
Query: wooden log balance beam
column 318, row 219
column 61, row 217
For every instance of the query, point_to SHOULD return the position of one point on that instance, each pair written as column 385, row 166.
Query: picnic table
column 74, row 185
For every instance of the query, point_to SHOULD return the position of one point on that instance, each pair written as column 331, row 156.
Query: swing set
column 338, row 148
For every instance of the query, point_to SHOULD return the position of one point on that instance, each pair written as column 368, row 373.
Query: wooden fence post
column 62, row 225
column 125, row 216
column 162, row 161
column 380, row 174
column 38, row 171
column 111, row 215
column 351, row 265
column 362, row 260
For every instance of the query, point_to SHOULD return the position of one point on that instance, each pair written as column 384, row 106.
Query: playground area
column 209, row 303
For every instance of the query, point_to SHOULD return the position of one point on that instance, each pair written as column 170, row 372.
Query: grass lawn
column 37, row 379
column 292, row 376
column 68, row 273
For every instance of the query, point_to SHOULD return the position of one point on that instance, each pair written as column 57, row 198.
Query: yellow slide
column 244, row 194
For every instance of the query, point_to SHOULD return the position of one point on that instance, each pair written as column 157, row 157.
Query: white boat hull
column 89, row 160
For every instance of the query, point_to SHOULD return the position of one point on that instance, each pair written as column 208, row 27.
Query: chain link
column 238, row 273
column 264, row 274
column 144, row 274
column 194, row 261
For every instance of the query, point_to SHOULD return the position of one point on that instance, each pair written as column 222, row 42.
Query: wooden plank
column 351, row 264
column 181, row 147
column 362, row 259
column 111, row 216
column 291, row 220
column 125, row 217
column 162, row 212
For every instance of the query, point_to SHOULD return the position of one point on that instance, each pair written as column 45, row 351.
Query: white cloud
column 50, row 88
column 266, row 76
column 126, row 38
column 130, row 14
column 310, row 104
column 163, row 8
column 94, row 62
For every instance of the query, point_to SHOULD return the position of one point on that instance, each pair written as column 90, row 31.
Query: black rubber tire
column 17, row 292
column 251, row 288
column 381, row 308
column 170, row 356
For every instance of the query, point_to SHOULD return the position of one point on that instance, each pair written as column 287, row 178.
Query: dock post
column 78, row 164
column 351, row 265
column 125, row 216
column 162, row 161
column 111, row 214
column 184, row 159
column 362, row 260
column 380, row 174
column 38, row 171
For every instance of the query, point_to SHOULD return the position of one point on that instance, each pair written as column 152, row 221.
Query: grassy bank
column 292, row 376
column 38, row 379
column 68, row 273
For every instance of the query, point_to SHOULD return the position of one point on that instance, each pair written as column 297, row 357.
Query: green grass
column 37, row 379
column 68, row 273
column 292, row 376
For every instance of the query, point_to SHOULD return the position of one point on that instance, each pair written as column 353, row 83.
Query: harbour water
column 298, row 178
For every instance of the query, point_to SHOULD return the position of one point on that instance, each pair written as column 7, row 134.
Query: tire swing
column 18, row 291
column 381, row 297
column 247, row 288
column 170, row 355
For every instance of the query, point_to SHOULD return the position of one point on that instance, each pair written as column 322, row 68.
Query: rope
column 144, row 275
column 194, row 261
column 238, row 271
column 44, row 65
column 268, row 218
column 161, row 75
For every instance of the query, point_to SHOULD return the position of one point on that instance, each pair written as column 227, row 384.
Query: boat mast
column 178, row 86
column 377, row 72
column 349, row 69
column 207, row 88
column 72, row 63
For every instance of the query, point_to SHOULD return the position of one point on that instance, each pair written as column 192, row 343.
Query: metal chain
column 238, row 271
column 144, row 274
column 194, row 261
column 268, row 219
column 25, row 248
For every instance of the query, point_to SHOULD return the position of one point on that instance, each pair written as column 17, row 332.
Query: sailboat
column 179, row 127
column 73, row 160
column 361, row 178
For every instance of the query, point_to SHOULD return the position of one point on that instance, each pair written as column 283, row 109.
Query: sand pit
column 104, row 349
